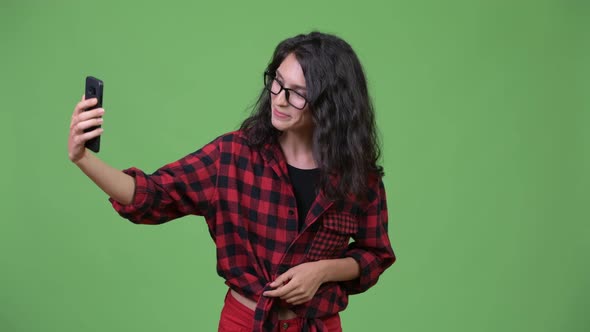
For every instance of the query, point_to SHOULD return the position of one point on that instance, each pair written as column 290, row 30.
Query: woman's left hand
column 299, row 284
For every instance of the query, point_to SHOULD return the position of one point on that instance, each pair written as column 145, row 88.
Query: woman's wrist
column 339, row 269
column 81, row 159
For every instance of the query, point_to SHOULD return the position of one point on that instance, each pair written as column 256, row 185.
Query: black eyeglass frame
column 268, row 86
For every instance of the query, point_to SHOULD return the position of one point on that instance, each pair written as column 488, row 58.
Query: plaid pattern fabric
column 247, row 200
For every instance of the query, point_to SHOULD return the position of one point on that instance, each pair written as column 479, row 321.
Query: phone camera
column 92, row 91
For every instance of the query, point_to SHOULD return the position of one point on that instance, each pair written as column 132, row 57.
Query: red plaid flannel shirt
column 247, row 200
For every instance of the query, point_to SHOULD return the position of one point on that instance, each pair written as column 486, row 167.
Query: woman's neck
column 298, row 149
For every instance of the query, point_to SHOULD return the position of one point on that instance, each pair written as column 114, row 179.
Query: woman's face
column 285, row 117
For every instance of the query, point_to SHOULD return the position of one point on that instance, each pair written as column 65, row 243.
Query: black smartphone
column 94, row 89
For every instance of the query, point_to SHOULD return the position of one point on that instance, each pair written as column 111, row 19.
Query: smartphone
column 94, row 89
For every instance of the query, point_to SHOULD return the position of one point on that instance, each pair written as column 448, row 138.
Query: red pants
column 236, row 317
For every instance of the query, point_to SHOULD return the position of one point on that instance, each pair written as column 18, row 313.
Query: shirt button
column 285, row 326
column 291, row 212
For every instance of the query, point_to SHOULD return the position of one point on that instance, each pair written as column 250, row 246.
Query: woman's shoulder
column 236, row 136
column 236, row 142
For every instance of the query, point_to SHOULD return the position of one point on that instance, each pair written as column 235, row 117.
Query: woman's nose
column 281, row 98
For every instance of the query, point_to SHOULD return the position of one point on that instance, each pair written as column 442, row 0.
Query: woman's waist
column 284, row 313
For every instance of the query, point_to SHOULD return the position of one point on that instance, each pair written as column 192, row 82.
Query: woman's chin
column 279, row 125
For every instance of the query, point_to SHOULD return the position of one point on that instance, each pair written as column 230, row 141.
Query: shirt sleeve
column 371, row 247
column 183, row 187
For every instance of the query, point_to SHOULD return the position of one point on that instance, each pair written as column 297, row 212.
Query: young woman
column 282, row 196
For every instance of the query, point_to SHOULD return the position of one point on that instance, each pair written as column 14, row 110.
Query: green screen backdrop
column 484, row 113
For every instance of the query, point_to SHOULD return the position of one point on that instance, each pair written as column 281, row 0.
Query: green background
column 483, row 108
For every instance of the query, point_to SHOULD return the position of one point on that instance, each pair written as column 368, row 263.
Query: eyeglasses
column 294, row 98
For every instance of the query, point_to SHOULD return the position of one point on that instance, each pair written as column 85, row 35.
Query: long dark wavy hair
column 345, row 141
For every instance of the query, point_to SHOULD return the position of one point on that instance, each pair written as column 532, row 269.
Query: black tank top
column 305, row 183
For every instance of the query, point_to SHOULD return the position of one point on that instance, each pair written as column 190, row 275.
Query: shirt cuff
column 371, row 267
column 140, row 203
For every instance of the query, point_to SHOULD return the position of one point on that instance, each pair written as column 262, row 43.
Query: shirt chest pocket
column 332, row 237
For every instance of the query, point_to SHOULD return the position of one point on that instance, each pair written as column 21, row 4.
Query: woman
column 282, row 196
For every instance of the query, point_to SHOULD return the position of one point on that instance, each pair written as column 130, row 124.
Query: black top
column 305, row 182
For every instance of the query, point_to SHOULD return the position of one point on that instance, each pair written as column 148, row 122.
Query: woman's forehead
column 291, row 72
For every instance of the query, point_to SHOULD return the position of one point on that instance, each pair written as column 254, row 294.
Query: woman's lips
column 279, row 114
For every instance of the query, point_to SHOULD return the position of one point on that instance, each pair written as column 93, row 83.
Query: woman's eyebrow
column 294, row 86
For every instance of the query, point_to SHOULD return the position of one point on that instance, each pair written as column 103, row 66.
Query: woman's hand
column 299, row 284
column 82, row 120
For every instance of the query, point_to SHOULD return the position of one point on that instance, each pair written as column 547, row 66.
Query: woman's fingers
column 297, row 297
column 295, row 300
column 82, row 138
column 90, row 114
column 84, row 104
column 77, row 118
column 80, row 126
column 83, row 120
column 80, row 108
